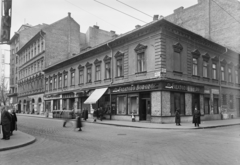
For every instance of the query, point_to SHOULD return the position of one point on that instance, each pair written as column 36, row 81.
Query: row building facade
column 150, row 71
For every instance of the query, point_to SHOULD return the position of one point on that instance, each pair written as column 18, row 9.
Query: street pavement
column 111, row 145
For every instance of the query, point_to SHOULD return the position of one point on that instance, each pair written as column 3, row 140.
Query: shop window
column 177, row 102
column 224, row 99
column 215, row 106
column 222, row 73
column 206, row 105
column 205, row 69
column 133, row 105
column 121, row 105
column 231, row 102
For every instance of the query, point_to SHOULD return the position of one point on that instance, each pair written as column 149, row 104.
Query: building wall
column 214, row 20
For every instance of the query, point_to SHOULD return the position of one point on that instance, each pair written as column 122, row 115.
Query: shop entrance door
column 145, row 109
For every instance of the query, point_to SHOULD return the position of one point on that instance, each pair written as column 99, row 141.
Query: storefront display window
column 133, row 105
column 121, row 105
column 177, row 102
column 206, row 105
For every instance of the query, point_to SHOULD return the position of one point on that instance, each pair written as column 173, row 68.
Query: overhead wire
column 134, row 8
column 91, row 14
column 226, row 11
column 120, row 11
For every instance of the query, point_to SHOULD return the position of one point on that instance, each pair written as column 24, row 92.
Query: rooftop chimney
column 155, row 17
column 113, row 32
column 95, row 26
column 69, row 14
column 178, row 10
column 137, row 26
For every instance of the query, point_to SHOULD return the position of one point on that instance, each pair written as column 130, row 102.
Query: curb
column 18, row 146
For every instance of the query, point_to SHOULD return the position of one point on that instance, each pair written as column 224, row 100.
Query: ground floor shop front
column 31, row 104
column 153, row 102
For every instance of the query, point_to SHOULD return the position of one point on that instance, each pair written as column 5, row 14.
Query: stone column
column 156, row 103
column 75, row 103
column 51, row 106
column 166, row 109
column 67, row 104
column 201, row 105
column 188, row 104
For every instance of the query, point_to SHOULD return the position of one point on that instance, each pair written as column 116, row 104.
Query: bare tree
column 3, row 95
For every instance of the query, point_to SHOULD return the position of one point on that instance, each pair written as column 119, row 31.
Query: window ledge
column 177, row 73
column 81, row 84
column 97, row 81
column 206, row 79
column 119, row 77
column 196, row 77
column 141, row 73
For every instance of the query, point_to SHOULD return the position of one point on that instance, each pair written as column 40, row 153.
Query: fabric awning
column 95, row 96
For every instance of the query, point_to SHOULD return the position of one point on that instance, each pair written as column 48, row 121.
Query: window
column 119, row 68
column 121, row 105
column 65, row 80
column 206, row 105
column 55, row 83
column 107, row 70
column 205, row 69
column 224, row 99
column 177, row 102
column 214, row 71
column 81, row 76
column 50, row 84
column 59, row 81
column 177, row 49
column 89, row 75
column 46, row 85
column 72, row 78
column 236, row 77
column 222, row 73
column 231, row 102
column 195, row 67
column 229, row 75
column 140, row 62
column 98, row 73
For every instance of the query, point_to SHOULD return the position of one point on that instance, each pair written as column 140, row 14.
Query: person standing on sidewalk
column 177, row 117
column 14, row 121
column 196, row 117
column 6, row 123
column 67, row 118
column 79, row 121
column 94, row 115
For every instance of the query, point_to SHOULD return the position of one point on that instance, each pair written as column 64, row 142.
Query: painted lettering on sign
column 135, row 88
column 182, row 87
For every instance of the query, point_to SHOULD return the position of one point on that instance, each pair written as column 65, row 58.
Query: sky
column 89, row 12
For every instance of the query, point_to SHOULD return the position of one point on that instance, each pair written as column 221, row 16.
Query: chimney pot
column 137, row 26
column 69, row 14
column 112, row 32
column 95, row 26
column 155, row 17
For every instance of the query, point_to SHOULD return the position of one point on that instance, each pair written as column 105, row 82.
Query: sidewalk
column 189, row 125
column 18, row 139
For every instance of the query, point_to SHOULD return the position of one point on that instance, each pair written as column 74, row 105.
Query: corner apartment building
column 150, row 71
column 24, row 33
column 216, row 20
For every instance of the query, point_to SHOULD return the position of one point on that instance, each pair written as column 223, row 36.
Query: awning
column 95, row 96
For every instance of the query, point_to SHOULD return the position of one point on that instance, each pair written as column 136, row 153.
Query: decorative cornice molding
column 88, row 64
column 97, row 62
column 80, row 67
column 119, row 54
column 107, row 58
column 215, row 59
column 223, row 62
column 196, row 53
column 140, row 48
column 230, row 64
column 65, row 72
column 72, row 70
column 206, row 57
column 177, row 47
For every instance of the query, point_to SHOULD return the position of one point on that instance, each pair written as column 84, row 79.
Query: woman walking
column 79, row 121
column 177, row 117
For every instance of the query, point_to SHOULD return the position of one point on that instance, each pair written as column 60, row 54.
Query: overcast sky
column 89, row 12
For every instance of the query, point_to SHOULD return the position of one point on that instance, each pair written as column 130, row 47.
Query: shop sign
column 182, row 87
column 68, row 95
column 139, row 87
column 207, row 91
column 215, row 91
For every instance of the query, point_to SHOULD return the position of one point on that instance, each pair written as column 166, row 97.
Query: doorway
column 145, row 107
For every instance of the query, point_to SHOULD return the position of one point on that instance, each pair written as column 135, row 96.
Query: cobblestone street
column 111, row 145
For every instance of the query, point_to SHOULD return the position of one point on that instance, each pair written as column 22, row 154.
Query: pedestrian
column 6, row 123
column 79, row 121
column 67, row 118
column 196, row 117
column 100, row 112
column 177, row 117
column 85, row 114
column 94, row 115
column 133, row 117
column 14, row 121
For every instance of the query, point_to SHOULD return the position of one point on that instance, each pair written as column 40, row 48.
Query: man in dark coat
column 79, row 121
column 196, row 117
column 14, row 122
column 6, row 123
column 177, row 117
